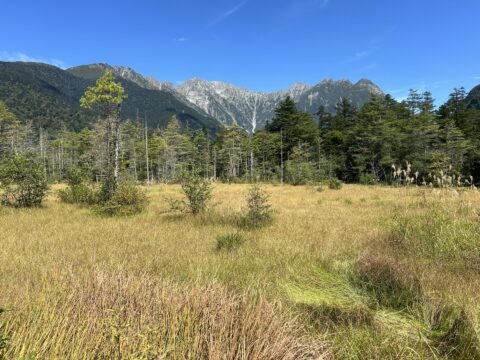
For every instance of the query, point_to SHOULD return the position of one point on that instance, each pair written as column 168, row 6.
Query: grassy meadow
column 365, row 272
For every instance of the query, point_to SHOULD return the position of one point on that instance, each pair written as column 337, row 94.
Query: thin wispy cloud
column 301, row 7
column 359, row 55
column 362, row 54
column 228, row 13
column 476, row 78
column 17, row 56
column 181, row 39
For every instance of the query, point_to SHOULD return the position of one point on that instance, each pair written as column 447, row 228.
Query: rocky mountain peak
column 230, row 104
column 251, row 110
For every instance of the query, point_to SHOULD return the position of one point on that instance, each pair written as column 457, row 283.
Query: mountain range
column 251, row 110
column 229, row 104
column 50, row 96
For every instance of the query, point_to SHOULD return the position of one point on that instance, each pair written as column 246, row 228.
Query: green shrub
column 128, row 199
column 23, row 182
column 108, row 189
column 259, row 210
column 334, row 184
column 299, row 170
column 78, row 194
column 299, row 173
column 368, row 179
column 198, row 191
column 79, row 190
column 229, row 241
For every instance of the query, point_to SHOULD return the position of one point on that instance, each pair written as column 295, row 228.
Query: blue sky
column 263, row 45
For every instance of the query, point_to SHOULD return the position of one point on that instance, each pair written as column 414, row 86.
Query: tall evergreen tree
column 107, row 97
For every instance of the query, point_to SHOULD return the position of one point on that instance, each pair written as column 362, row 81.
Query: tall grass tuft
column 3, row 338
column 438, row 233
column 230, row 241
column 101, row 315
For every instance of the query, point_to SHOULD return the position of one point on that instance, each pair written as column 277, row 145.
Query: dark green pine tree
column 456, row 109
column 414, row 101
column 452, row 149
column 296, row 127
column 374, row 140
column 284, row 114
column 344, row 115
column 324, row 118
column 427, row 103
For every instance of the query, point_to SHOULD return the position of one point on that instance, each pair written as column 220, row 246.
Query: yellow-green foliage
column 106, row 94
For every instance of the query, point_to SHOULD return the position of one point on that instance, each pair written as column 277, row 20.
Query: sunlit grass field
column 365, row 272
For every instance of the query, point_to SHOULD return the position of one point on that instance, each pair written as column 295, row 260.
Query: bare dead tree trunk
column 146, row 150
column 281, row 156
column 42, row 153
column 117, row 151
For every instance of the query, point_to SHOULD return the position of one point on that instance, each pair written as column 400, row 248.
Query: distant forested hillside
column 49, row 98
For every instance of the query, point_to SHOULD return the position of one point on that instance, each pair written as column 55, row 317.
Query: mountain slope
column 50, row 96
column 43, row 94
column 176, row 99
column 94, row 71
column 251, row 110
column 473, row 98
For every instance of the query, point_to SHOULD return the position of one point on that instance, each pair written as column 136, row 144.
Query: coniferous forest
column 355, row 145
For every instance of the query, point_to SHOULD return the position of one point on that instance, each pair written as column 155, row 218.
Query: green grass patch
column 230, row 241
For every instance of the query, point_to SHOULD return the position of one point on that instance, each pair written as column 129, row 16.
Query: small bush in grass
column 259, row 210
column 23, row 182
column 229, row 241
column 368, row 179
column 78, row 194
column 198, row 191
column 128, row 199
column 79, row 190
column 334, row 184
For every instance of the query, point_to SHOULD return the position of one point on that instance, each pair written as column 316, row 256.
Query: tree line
column 364, row 145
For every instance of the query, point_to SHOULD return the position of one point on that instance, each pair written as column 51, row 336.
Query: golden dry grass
column 153, row 285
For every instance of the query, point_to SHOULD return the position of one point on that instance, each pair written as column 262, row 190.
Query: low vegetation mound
column 128, row 199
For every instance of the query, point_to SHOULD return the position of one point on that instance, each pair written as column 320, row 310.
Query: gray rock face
column 251, row 110
column 473, row 98
column 149, row 82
